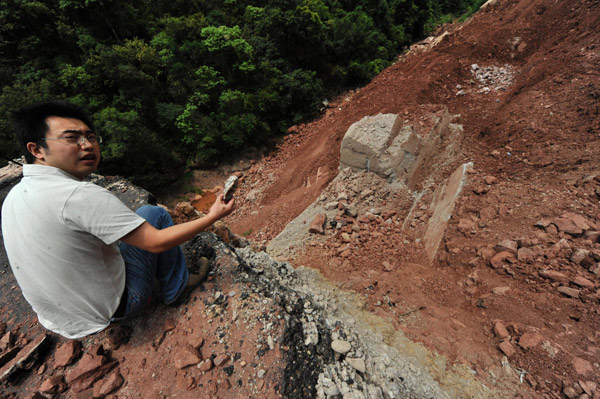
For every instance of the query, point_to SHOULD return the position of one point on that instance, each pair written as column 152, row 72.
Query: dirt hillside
column 523, row 80
column 506, row 304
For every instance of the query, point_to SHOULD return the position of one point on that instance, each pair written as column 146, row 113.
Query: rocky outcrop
column 442, row 205
column 379, row 144
column 384, row 157
column 133, row 196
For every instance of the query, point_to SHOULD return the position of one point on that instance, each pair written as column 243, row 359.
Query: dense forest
column 180, row 83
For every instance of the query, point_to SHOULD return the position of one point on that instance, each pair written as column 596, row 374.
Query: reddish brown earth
column 539, row 139
column 535, row 147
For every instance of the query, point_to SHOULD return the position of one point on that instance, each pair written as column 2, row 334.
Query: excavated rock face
column 380, row 144
column 383, row 157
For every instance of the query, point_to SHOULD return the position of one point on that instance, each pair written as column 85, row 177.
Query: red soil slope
column 537, row 132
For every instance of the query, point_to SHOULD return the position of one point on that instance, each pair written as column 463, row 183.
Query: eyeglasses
column 78, row 139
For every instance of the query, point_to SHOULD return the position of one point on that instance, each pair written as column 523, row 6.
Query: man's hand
column 220, row 208
column 153, row 240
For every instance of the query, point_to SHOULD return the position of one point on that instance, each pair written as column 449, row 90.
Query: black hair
column 31, row 126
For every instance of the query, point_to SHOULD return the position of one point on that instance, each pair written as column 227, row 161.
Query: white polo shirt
column 61, row 239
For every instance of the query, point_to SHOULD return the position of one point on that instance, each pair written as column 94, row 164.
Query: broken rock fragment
column 187, row 357
column 568, row 291
column 22, row 357
column 316, row 226
column 507, row 348
column 490, row 180
column 92, row 366
column 88, row 364
column 500, row 259
column 579, row 255
column 466, row 226
column 67, row 353
column 357, row 364
column 487, row 213
column 480, row 189
column 582, row 366
column 592, row 235
column 53, row 385
column 205, row 365
column 500, row 330
column 570, row 392
column 221, row 359
column 507, row 245
column 85, row 381
column 7, row 340
column 108, row 385
column 340, row 346
column 554, row 275
column 530, row 340
column 525, row 255
column 387, row 266
column 588, row 386
column 8, row 354
column 568, row 226
column 583, row 282
column 350, row 210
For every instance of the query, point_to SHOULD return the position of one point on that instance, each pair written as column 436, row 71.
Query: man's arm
column 151, row 239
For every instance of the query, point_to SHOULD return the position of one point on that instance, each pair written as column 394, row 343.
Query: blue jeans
column 143, row 267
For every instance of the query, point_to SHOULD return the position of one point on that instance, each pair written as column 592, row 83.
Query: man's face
column 78, row 159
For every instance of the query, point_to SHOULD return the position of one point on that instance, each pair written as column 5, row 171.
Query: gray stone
column 350, row 210
column 444, row 198
column 357, row 363
column 331, row 205
column 378, row 144
column 332, row 391
column 340, row 346
column 131, row 195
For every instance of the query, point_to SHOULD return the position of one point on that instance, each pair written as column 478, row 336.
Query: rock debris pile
column 490, row 79
column 353, row 359
column 559, row 258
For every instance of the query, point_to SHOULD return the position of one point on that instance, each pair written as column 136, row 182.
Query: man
column 80, row 256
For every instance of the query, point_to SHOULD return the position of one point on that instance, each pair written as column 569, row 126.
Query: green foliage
column 471, row 9
column 185, row 82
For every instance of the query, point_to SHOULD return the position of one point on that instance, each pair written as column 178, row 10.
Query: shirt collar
column 45, row 170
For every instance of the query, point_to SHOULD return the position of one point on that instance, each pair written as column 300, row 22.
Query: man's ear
column 35, row 150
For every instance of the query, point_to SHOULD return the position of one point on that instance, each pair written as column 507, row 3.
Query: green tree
column 186, row 81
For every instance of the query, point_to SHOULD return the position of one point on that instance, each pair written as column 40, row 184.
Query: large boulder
column 380, row 144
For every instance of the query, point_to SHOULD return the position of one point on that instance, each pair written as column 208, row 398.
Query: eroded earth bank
column 432, row 235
